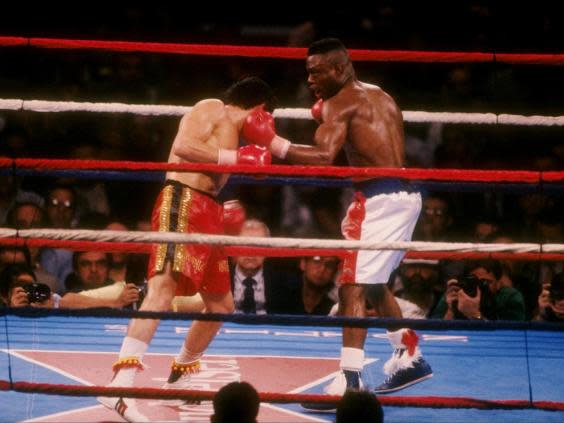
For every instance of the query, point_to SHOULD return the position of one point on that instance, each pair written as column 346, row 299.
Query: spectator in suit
column 253, row 281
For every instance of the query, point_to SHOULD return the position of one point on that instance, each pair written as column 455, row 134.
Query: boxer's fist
column 248, row 154
column 317, row 111
column 234, row 216
column 258, row 127
column 253, row 155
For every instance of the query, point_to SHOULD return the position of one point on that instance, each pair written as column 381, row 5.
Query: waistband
column 374, row 187
column 178, row 184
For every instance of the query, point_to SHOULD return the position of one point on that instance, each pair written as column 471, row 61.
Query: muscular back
column 201, row 132
column 374, row 125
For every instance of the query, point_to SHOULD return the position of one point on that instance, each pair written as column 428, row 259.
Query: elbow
column 326, row 158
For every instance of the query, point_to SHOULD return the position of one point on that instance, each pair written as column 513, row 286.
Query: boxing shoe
column 126, row 408
column 346, row 380
column 181, row 378
column 401, row 378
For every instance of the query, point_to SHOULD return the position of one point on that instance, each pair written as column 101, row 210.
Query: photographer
column 479, row 295
column 19, row 288
column 551, row 300
column 90, row 286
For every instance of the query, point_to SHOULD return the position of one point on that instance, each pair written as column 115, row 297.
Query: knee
column 377, row 293
column 351, row 294
column 220, row 305
column 159, row 296
column 221, row 308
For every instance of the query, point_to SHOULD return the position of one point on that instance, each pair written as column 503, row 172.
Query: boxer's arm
column 329, row 139
column 194, row 139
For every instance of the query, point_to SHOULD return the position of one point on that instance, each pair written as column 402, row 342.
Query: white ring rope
column 291, row 113
column 173, row 237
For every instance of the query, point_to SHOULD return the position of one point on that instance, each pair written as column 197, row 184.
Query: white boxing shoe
column 126, row 408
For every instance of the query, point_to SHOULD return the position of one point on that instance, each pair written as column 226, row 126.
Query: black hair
column 325, row 45
column 359, row 406
column 77, row 254
column 492, row 266
column 250, row 92
column 22, row 248
column 236, row 402
column 10, row 273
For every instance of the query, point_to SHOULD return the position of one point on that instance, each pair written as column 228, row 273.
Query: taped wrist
column 279, row 147
column 226, row 157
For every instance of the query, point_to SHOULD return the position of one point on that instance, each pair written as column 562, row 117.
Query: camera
column 470, row 285
column 37, row 292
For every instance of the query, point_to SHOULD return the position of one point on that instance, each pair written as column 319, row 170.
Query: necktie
column 249, row 305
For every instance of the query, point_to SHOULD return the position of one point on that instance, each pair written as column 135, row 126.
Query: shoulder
column 210, row 109
column 508, row 293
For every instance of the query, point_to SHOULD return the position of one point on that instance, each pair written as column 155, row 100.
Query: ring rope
column 185, row 238
column 290, row 113
column 233, row 251
column 274, row 397
column 468, row 175
column 284, row 52
column 289, row 319
column 434, row 402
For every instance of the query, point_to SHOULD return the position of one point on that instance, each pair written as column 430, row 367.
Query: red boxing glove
column 248, row 154
column 234, row 216
column 317, row 111
column 258, row 128
column 253, row 155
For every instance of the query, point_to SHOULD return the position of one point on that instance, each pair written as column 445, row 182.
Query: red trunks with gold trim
column 199, row 268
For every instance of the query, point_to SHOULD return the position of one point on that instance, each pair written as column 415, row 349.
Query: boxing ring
column 54, row 362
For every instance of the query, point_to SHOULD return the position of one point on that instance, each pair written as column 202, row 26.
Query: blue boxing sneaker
column 346, row 380
column 401, row 378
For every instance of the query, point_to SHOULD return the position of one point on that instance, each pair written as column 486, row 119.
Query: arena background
column 104, row 76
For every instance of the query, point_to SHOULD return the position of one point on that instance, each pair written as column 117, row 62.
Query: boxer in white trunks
column 366, row 122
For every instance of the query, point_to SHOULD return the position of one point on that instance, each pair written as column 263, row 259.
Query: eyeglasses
column 55, row 202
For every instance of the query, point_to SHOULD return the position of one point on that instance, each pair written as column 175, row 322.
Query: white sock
column 352, row 358
column 185, row 356
column 130, row 347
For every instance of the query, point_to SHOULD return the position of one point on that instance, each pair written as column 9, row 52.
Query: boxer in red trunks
column 209, row 133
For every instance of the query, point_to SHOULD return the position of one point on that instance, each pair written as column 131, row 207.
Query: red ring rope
column 270, row 397
column 286, row 52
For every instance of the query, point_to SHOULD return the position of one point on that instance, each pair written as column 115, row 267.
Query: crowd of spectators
column 450, row 213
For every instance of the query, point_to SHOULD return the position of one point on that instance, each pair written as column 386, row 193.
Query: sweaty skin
column 359, row 118
column 366, row 122
column 210, row 125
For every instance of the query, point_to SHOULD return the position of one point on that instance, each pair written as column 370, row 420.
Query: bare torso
column 374, row 135
column 202, row 131
column 364, row 121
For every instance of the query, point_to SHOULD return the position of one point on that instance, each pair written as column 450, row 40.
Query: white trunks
column 383, row 210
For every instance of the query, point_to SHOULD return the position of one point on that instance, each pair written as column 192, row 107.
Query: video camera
column 37, row 292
